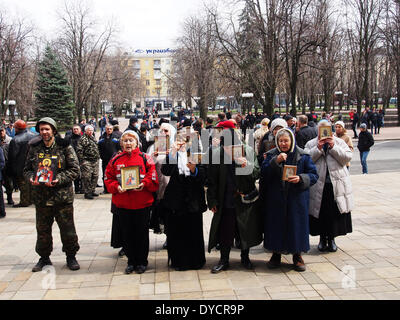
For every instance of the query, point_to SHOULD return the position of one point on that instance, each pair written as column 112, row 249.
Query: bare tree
column 363, row 37
column 391, row 32
column 14, row 40
column 197, row 51
column 82, row 50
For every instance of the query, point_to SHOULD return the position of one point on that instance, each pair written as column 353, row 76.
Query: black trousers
column 2, row 206
column 135, row 234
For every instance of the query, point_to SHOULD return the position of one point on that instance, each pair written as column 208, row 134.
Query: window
column 158, row 82
column 147, row 93
column 147, row 73
column 147, row 82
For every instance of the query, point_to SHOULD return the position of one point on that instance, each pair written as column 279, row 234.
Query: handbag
column 250, row 197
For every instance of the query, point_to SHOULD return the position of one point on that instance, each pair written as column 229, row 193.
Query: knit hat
column 363, row 126
column 20, row 124
column 278, row 122
column 340, row 123
column 226, row 125
column 132, row 133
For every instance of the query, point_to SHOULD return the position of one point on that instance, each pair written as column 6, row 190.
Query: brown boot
column 298, row 263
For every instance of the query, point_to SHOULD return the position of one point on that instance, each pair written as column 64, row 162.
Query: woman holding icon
column 133, row 206
column 185, row 199
column 288, row 173
column 331, row 199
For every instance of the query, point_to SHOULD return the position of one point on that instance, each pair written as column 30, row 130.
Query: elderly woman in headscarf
column 331, row 199
column 267, row 142
column 185, row 199
column 286, row 227
column 159, row 212
column 260, row 133
column 133, row 205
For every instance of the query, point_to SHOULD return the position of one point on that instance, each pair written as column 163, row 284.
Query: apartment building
column 153, row 66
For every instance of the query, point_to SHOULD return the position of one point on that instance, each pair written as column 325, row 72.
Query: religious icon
column 161, row 144
column 130, row 178
column 324, row 132
column 46, row 169
column 237, row 151
column 288, row 171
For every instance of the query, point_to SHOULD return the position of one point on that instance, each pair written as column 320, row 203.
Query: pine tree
column 53, row 95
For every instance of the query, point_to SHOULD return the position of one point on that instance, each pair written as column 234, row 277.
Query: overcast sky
column 141, row 23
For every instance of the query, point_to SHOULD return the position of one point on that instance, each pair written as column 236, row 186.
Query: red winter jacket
column 132, row 200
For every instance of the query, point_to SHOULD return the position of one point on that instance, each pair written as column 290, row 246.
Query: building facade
column 153, row 67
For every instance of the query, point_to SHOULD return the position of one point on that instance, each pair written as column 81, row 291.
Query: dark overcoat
column 248, row 216
column 286, row 228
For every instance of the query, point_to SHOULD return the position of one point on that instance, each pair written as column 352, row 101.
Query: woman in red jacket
column 133, row 206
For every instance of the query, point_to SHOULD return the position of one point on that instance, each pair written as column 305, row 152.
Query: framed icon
column 288, row 171
column 130, row 178
column 47, row 169
column 237, row 151
column 324, row 132
column 161, row 144
column 195, row 157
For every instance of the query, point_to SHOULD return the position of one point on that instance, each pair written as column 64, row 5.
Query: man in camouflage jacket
column 88, row 155
column 53, row 199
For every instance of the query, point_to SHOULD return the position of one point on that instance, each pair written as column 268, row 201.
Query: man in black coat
column 108, row 147
column 305, row 133
column 133, row 125
column 17, row 153
column 365, row 142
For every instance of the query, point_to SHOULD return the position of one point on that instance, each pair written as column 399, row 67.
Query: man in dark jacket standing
column 108, row 147
column 365, row 142
column 7, row 179
column 305, row 132
column 134, row 126
column 53, row 199
column 17, row 152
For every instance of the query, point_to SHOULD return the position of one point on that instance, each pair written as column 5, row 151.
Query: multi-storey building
column 153, row 67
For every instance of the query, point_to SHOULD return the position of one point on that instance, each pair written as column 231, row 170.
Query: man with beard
column 17, row 152
column 54, row 199
column 88, row 155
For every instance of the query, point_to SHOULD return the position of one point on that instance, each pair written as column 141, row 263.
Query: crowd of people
column 272, row 181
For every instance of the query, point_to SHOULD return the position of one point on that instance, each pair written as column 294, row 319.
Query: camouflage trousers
column 25, row 190
column 64, row 216
column 89, row 176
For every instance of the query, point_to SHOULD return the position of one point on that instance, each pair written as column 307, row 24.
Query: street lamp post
column 9, row 103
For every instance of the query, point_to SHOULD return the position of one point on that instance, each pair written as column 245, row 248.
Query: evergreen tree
column 53, row 95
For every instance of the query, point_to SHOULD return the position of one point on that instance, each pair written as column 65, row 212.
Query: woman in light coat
column 159, row 211
column 331, row 198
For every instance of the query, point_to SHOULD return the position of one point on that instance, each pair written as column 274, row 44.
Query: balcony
column 157, row 65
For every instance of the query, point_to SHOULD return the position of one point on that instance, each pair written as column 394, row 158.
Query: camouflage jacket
column 65, row 166
column 87, row 149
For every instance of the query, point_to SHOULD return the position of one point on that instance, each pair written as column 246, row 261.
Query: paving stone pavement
column 366, row 266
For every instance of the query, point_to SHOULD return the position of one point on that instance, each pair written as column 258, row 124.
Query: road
column 383, row 157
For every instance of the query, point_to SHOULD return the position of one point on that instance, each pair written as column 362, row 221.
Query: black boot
column 121, row 252
column 72, row 263
column 9, row 199
column 94, row 194
column 323, row 243
column 223, row 263
column 332, row 245
column 245, row 260
column 41, row 263
column 275, row 261
column 88, row 196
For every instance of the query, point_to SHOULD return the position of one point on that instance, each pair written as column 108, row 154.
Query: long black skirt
column 185, row 241
column 116, row 232
column 331, row 222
